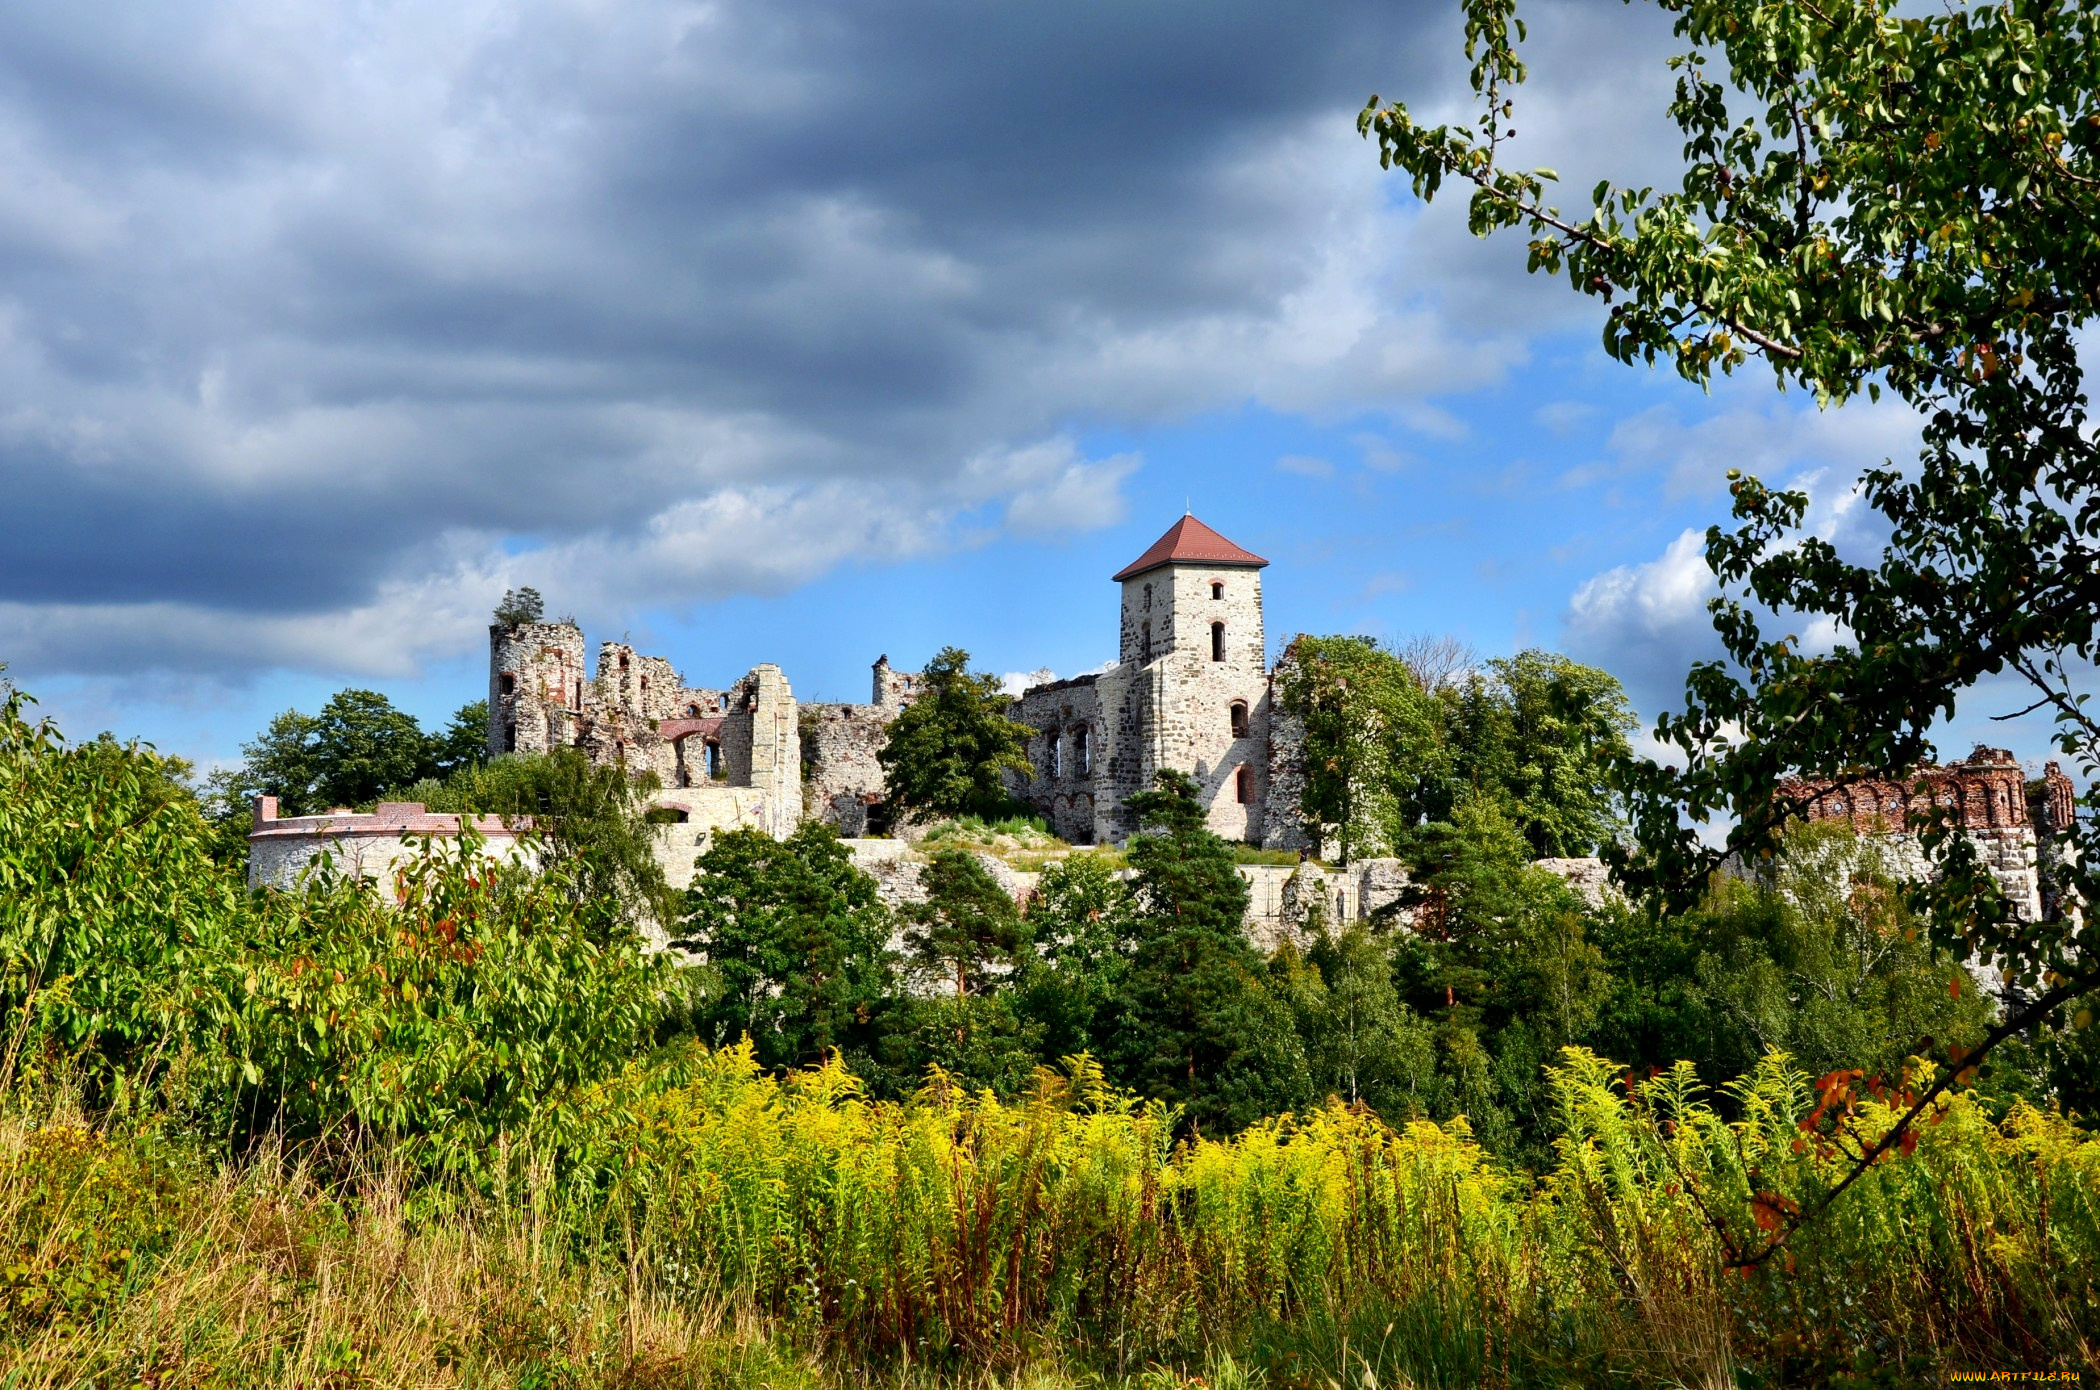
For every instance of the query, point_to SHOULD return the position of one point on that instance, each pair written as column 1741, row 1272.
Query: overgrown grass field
column 724, row 1227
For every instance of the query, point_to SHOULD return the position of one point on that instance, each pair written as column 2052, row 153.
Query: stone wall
column 536, row 686
column 1283, row 809
column 1986, row 797
column 1066, row 716
column 368, row 845
column 842, row 781
column 638, row 713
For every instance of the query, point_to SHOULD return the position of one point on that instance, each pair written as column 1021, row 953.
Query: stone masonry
column 728, row 756
column 2012, row 824
column 1191, row 690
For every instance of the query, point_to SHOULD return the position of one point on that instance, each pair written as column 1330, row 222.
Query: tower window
column 713, row 755
column 1217, row 641
column 1243, row 785
column 623, row 661
column 510, row 738
column 1145, row 642
column 1217, row 589
column 506, row 684
column 1239, row 719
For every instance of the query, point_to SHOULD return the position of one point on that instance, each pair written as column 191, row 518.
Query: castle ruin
column 1191, row 690
column 2012, row 823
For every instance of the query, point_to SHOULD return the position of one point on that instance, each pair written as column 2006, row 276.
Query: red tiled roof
column 1189, row 541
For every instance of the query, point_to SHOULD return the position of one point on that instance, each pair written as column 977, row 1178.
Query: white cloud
column 1305, row 466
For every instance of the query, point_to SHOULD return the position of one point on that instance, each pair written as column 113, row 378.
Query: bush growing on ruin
column 949, row 752
column 519, row 607
column 592, row 819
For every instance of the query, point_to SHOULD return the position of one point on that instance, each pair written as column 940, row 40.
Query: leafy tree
column 1548, row 734
column 977, row 1041
column 116, row 924
column 1910, row 205
column 361, row 746
column 357, row 748
column 593, row 819
column 280, row 763
column 797, row 938
column 1371, row 740
column 966, row 932
column 1197, row 1023
column 1362, row 1044
column 1081, row 920
column 464, row 742
column 948, row 752
column 1507, row 974
column 519, row 607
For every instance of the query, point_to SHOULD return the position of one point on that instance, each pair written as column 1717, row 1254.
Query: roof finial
column 1188, row 504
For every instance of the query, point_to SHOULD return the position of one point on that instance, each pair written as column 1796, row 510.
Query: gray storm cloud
column 334, row 319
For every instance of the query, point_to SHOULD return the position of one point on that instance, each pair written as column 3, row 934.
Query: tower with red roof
column 1189, row 691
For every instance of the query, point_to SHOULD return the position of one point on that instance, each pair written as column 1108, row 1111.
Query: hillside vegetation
column 469, row 1135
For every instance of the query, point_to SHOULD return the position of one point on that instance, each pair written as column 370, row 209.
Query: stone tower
column 536, row 687
column 1191, row 690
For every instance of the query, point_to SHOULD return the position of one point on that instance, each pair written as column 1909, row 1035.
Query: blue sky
column 807, row 330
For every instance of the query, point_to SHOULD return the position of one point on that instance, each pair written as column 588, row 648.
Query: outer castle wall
column 2011, row 825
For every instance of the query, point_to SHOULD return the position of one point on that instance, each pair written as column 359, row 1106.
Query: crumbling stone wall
column 1066, row 716
column 842, row 780
column 842, row 777
column 637, row 712
column 536, row 686
column 1988, row 800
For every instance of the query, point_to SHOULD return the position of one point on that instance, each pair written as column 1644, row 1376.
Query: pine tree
column 1198, row 1024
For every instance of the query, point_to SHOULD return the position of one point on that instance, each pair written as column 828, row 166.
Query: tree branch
column 1482, row 176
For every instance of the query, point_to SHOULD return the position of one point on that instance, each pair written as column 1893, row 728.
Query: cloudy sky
column 804, row 331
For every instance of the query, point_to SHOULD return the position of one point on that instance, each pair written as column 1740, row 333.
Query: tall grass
column 727, row 1227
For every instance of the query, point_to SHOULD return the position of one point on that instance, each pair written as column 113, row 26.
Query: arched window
column 1217, row 641
column 1243, row 785
column 713, row 761
column 1057, row 755
column 1239, row 718
column 1082, row 750
column 1145, row 642
column 1148, row 598
column 1217, row 589
column 692, row 711
column 723, row 701
column 623, row 661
